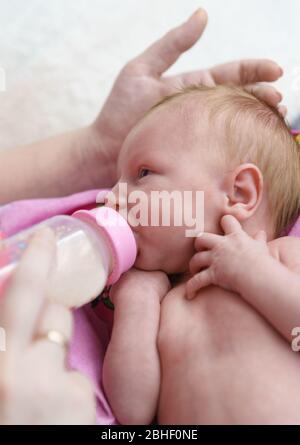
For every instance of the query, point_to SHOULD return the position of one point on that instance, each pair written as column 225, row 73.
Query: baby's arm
column 244, row 265
column 273, row 289
column 131, row 370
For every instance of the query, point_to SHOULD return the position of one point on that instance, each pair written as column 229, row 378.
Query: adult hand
column 35, row 385
column 142, row 83
column 93, row 150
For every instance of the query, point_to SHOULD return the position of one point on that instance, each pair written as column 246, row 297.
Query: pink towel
column 92, row 327
column 18, row 215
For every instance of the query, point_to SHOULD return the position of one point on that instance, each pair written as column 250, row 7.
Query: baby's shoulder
column 286, row 250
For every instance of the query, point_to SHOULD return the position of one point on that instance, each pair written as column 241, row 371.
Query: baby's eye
column 143, row 172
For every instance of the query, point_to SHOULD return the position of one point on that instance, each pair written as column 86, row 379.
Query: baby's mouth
column 136, row 237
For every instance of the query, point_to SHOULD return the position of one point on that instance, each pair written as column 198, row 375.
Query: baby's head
column 222, row 141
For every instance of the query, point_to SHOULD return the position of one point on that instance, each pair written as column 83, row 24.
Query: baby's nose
column 115, row 199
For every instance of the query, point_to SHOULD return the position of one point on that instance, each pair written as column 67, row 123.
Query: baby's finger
column 230, row 224
column 200, row 280
column 207, row 241
column 261, row 236
column 199, row 261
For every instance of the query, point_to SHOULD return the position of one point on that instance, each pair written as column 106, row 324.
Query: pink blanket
column 92, row 325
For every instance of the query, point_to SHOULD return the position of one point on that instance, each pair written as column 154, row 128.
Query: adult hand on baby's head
column 35, row 385
column 248, row 74
column 137, row 284
column 221, row 260
column 142, row 83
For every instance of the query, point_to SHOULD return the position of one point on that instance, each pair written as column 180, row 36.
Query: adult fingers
column 55, row 320
column 282, row 109
column 84, row 398
column 199, row 77
column 24, row 298
column 244, row 72
column 266, row 93
column 164, row 53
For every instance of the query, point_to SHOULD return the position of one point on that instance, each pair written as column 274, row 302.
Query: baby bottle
column 94, row 247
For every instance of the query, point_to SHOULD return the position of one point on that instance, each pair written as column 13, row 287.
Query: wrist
column 249, row 273
column 98, row 157
column 137, row 299
column 106, row 129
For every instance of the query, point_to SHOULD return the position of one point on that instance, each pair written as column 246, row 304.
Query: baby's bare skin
column 214, row 359
column 223, row 363
column 225, row 356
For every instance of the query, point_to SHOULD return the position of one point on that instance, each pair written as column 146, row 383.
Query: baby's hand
column 222, row 260
column 139, row 284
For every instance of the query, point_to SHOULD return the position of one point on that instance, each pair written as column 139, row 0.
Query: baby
column 215, row 347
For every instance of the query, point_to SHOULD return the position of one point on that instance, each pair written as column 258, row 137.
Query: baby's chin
column 153, row 264
column 155, row 254
column 146, row 256
column 147, row 264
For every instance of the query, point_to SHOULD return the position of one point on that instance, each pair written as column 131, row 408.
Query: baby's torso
column 223, row 363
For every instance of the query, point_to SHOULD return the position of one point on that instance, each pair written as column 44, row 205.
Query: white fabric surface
column 60, row 56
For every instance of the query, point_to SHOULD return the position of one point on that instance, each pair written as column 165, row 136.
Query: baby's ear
column 244, row 191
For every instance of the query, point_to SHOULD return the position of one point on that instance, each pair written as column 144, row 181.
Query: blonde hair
column 254, row 132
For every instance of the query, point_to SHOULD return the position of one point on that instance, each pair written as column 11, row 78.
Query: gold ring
column 55, row 337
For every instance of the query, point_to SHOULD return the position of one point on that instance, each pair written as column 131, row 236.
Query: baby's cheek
column 179, row 251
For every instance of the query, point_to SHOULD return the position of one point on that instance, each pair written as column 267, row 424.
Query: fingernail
column 282, row 110
column 199, row 13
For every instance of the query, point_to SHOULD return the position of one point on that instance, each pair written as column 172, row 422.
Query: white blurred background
column 60, row 57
